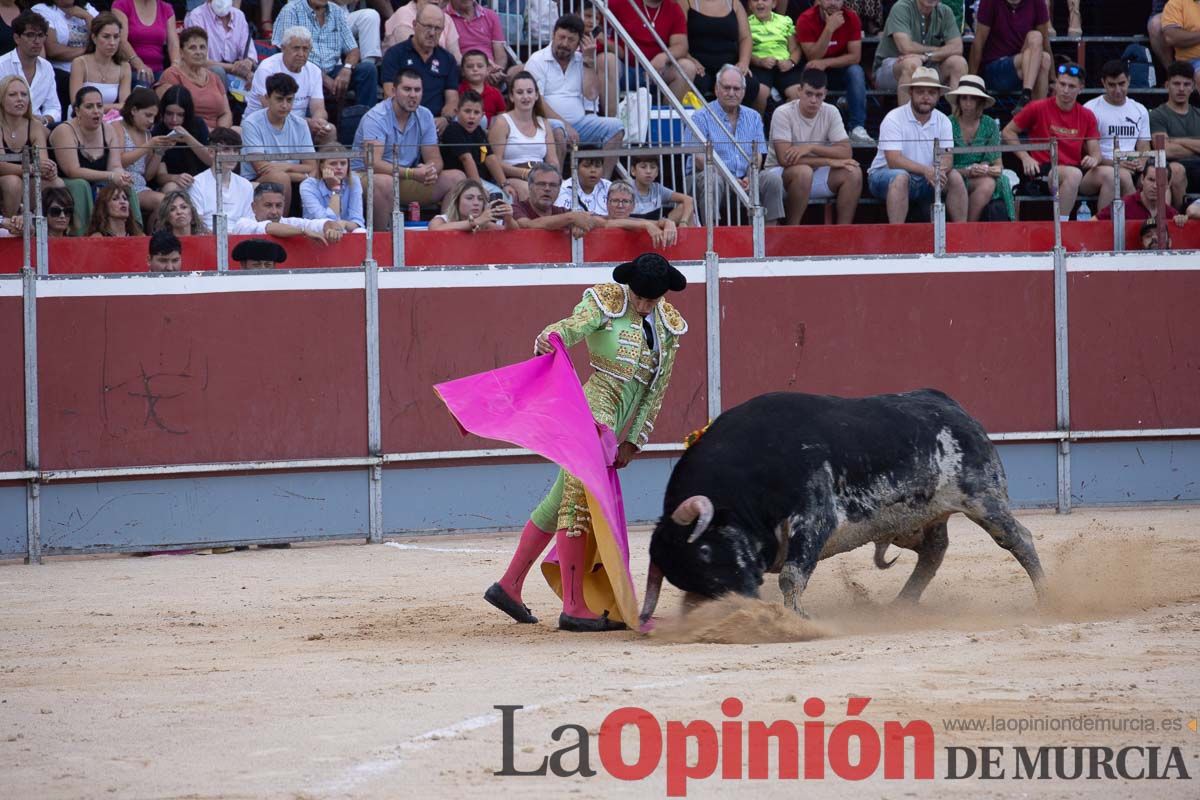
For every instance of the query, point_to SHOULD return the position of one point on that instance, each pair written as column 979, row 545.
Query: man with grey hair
column 309, row 104
column 621, row 197
column 539, row 211
column 335, row 51
column 737, row 136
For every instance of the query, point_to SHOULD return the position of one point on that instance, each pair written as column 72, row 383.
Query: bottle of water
column 1084, row 214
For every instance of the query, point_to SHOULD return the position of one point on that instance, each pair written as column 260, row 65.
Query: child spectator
column 649, row 196
column 474, row 78
column 465, row 144
column 775, row 55
column 592, row 188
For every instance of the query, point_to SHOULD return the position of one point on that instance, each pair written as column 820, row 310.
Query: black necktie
column 648, row 329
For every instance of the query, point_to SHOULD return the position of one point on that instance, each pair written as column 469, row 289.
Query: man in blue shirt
column 437, row 68
column 736, row 132
column 334, row 48
column 403, row 130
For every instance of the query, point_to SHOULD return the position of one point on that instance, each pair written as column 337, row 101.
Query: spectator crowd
column 127, row 109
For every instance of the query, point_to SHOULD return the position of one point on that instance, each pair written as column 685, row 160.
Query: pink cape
column 539, row 404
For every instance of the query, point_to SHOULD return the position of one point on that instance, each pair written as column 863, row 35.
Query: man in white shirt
column 565, row 71
column 309, row 103
column 1120, row 118
column 29, row 32
column 236, row 192
column 810, row 146
column 904, row 169
column 267, row 218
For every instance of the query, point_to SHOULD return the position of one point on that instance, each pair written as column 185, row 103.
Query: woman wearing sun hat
column 982, row 172
column 632, row 334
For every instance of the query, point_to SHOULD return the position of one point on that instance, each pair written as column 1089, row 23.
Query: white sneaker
column 859, row 135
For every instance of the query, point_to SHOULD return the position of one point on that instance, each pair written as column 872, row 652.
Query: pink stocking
column 572, row 566
column 533, row 541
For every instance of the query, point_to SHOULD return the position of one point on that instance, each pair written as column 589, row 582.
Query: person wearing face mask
column 231, row 52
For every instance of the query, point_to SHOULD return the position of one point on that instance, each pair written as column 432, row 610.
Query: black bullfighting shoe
column 585, row 625
column 500, row 599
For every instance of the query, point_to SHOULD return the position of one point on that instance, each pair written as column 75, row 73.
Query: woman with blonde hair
column 101, row 64
column 112, row 215
column 467, row 209
column 178, row 215
column 521, row 137
column 18, row 130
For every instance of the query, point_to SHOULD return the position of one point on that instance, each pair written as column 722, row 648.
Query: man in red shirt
column 831, row 37
column 1062, row 118
column 1143, row 204
column 670, row 24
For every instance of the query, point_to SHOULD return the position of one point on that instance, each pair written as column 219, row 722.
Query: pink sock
column 572, row 551
column 533, row 541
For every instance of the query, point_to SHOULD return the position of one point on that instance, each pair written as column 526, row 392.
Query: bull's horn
column 698, row 509
column 654, row 580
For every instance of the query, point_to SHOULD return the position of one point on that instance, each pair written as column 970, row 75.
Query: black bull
column 785, row 480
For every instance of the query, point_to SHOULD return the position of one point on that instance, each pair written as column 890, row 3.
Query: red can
column 414, row 211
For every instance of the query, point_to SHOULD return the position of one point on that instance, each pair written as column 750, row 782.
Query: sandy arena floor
column 354, row 671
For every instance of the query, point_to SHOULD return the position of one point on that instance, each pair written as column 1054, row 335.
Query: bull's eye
column 705, row 552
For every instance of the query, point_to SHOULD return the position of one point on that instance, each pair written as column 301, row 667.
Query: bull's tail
column 880, row 551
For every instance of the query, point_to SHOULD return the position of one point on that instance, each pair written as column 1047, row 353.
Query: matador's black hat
column 650, row 276
column 259, row 250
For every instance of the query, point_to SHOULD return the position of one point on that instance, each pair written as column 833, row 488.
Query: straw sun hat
column 971, row 86
column 925, row 76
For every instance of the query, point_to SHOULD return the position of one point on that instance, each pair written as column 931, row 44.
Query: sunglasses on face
column 1070, row 69
column 59, row 211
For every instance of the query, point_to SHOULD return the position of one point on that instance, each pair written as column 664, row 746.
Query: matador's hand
column 625, row 453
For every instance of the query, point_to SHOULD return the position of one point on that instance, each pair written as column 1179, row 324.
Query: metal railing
column 939, row 208
column 231, row 160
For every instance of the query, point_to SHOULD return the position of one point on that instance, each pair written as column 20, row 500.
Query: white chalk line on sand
column 404, row 546
column 375, row 767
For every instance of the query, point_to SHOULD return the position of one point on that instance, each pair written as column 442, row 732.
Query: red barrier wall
column 436, row 248
column 432, row 335
column 1134, row 349
column 166, row 379
column 986, row 339
column 249, row 372
column 12, row 384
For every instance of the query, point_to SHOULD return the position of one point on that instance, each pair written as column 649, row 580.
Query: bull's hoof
column 500, row 599
column 585, row 625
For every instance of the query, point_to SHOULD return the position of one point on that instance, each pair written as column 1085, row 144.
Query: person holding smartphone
column 468, row 208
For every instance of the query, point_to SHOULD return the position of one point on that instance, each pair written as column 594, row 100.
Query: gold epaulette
column 672, row 319
column 610, row 297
